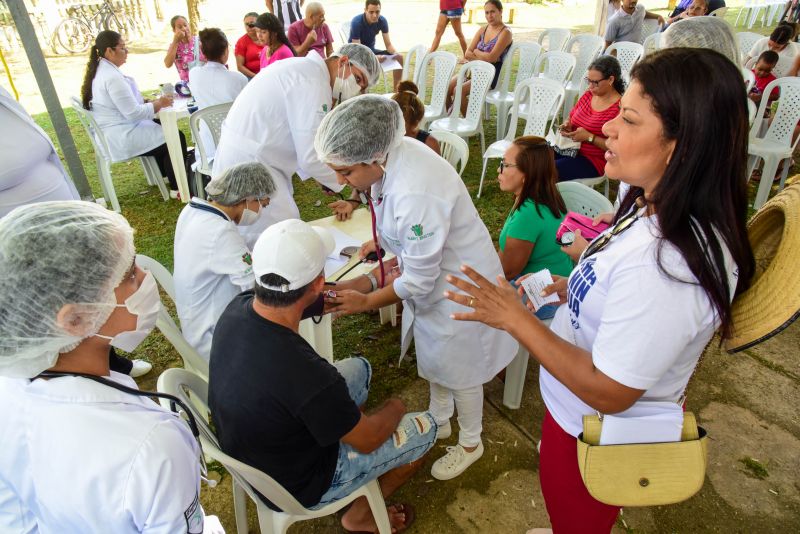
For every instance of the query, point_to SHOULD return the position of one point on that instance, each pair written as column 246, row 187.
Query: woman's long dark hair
column 535, row 160
column 105, row 39
column 701, row 200
column 271, row 23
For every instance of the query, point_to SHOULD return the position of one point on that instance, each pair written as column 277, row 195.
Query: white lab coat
column 212, row 84
column 425, row 216
column 78, row 456
column 34, row 180
column 121, row 113
column 274, row 121
column 212, row 265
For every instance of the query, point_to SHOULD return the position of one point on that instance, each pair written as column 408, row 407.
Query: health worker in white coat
column 31, row 170
column 212, row 83
column 121, row 112
column 425, row 216
column 276, row 116
column 212, row 260
column 78, row 454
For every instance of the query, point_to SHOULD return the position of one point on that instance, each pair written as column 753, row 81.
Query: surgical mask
column 145, row 303
column 345, row 88
column 249, row 216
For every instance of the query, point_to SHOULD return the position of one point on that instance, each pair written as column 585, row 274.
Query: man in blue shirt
column 365, row 27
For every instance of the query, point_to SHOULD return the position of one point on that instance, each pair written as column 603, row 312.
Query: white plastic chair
column 344, row 32
column 541, row 100
column 585, row 48
column 591, row 182
column 503, row 96
column 471, row 124
column 649, row 27
column 628, row 54
column 719, row 12
column 103, row 158
column 556, row 66
column 773, row 10
column 651, row 44
column 452, row 148
column 746, row 41
column 444, row 63
column 212, row 117
column 749, row 78
column 416, row 56
column 192, row 360
column 556, row 38
column 782, row 66
column 776, row 144
column 583, row 199
column 193, row 391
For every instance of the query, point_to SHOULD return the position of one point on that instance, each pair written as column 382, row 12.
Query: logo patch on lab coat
column 247, row 258
column 194, row 517
column 419, row 233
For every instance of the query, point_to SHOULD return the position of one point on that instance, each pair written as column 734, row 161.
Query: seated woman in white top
column 78, row 454
column 212, row 83
column 119, row 109
column 212, row 261
column 31, row 170
column 780, row 41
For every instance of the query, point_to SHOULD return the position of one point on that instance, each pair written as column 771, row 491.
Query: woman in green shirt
column 528, row 238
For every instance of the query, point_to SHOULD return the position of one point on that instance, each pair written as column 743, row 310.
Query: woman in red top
column 248, row 48
column 595, row 107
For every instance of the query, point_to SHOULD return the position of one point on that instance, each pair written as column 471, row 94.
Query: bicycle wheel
column 122, row 24
column 74, row 35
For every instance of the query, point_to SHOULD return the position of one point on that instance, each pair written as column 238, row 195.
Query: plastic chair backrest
column 786, row 116
column 556, row 65
column 649, row 27
column 193, row 391
column 556, row 38
column 344, row 32
column 544, row 100
column 585, row 48
column 213, row 117
column 452, row 148
column 160, row 273
column 782, row 66
column 719, row 12
column 416, row 55
column 749, row 78
column 481, row 76
column 527, row 53
column 651, row 44
column 92, row 129
column 584, row 200
column 444, row 63
column 627, row 54
column 746, row 41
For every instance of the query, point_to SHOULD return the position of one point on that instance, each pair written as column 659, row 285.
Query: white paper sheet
column 644, row 422
column 535, row 283
column 331, row 266
column 341, row 241
column 391, row 64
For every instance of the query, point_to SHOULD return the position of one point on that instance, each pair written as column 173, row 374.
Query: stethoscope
column 190, row 420
column 367, row 199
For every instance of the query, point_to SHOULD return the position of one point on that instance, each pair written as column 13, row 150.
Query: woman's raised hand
column 498, row 306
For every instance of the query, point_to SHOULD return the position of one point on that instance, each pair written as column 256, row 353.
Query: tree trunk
column 194, row 15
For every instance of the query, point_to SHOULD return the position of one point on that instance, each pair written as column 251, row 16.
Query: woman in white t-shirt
column 649, row 293
column 780, row 41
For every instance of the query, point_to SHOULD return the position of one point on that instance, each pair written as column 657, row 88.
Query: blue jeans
column 415, row 435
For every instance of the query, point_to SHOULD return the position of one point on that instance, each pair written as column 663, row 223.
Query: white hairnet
column 245, row 180
column 360, row 130
column 703, row 32
column 54, row 254
column 362, row 58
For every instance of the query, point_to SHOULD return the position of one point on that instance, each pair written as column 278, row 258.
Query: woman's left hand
column 347, row 302
column 498, row 306
column 342, row 209
column 578, row 134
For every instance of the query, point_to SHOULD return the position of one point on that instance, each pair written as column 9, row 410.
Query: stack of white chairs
column 774, row 10
column 103, row 158
column 776, row 144
column 557, row 39
column 628, row 54
column 585, row 48
column 444, row 63
column 503, row 96
column 557, row 66
column 481, row 74
column 250, row 482
column 746, row 40
column 212, row 117
column 541, row 100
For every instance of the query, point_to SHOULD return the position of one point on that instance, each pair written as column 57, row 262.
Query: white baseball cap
column 294, row 250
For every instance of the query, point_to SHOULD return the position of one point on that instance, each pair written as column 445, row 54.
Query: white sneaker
column 444, row 431
column 140, row 367
column 455, row 462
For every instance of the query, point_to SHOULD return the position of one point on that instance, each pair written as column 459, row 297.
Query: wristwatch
column 591, row 139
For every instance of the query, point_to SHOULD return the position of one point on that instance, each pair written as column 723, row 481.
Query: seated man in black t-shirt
column 281, row 408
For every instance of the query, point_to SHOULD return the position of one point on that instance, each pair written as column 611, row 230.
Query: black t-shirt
column 277, row 405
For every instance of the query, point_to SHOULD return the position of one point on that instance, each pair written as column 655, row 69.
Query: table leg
column 169, row 123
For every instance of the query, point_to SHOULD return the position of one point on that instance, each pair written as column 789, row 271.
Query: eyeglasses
column 603, row 240
column 593, row 83
column 123, row 48
column 251, row 25
column 504, row 165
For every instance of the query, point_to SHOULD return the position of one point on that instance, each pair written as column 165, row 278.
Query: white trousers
column 469, row 403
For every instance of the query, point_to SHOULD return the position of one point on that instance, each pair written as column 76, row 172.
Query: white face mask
column 145, row 303
column 345, row 88
column 249, row 216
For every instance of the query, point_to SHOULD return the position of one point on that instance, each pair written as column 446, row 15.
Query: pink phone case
column 575, row 221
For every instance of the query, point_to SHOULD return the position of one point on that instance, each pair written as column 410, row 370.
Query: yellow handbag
column 643, row 474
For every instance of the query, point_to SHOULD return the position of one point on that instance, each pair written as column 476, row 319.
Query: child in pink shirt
column 271, row 32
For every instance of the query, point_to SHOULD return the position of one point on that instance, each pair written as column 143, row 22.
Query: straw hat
column 773, row 300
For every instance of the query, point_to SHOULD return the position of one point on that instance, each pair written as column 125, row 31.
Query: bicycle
column 76, row 32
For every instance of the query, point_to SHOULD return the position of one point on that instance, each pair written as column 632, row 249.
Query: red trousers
column 571, row 508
